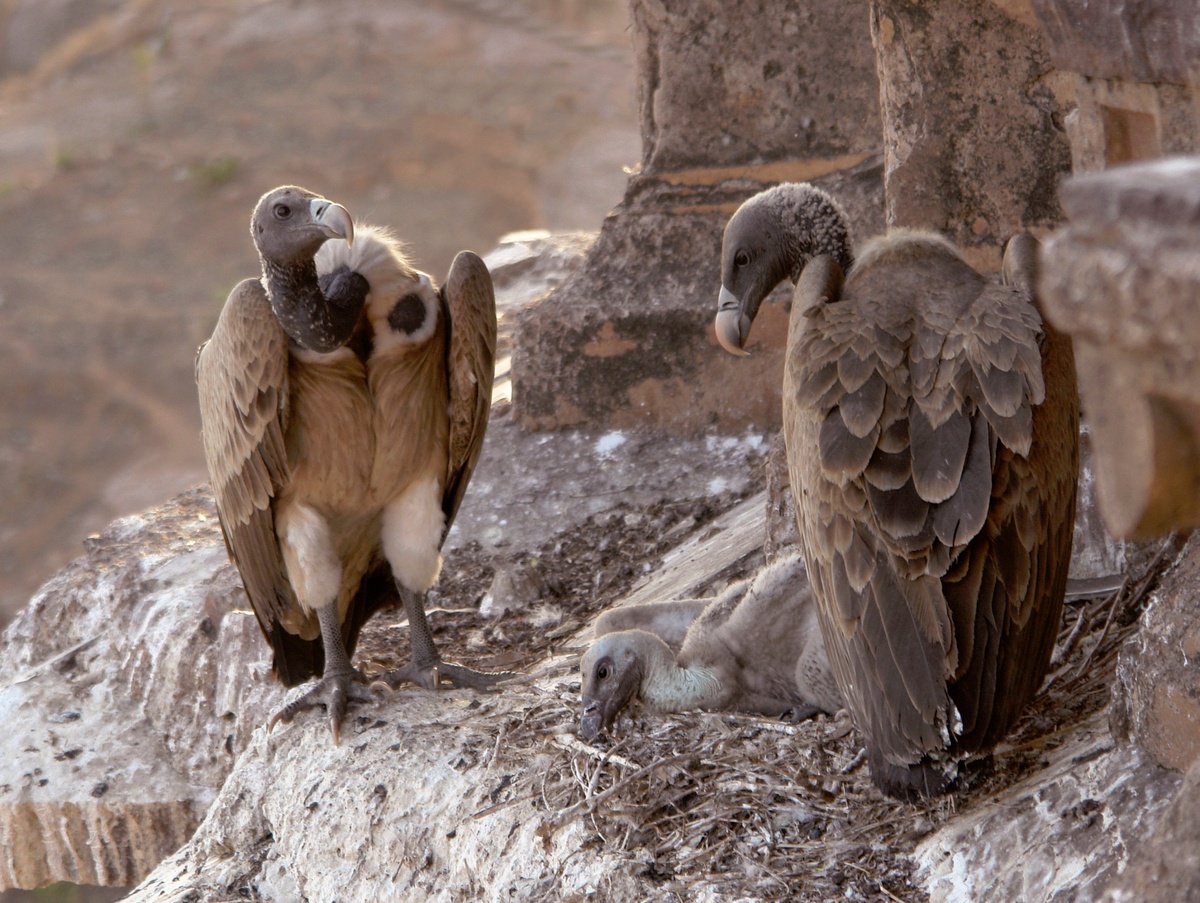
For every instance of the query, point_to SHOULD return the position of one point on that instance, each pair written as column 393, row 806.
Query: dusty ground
column 135, row 137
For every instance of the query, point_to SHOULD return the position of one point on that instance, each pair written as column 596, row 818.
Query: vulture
column 343, row 403
column 931, row 420
column 754, row 648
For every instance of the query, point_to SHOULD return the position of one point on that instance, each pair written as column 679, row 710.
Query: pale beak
column 592, row 721
column 333, row 219
column 732, row 326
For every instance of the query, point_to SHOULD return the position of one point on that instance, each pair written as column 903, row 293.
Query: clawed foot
column 332, row 693
column 798, row 713
column 431, row 677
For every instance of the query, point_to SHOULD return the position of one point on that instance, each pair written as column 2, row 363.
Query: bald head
column 612, row 670
column 291, row 223
column 770, row 238
column 289, row 226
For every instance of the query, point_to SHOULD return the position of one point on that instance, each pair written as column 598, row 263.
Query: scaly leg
column 427, row 668
column 340, row 682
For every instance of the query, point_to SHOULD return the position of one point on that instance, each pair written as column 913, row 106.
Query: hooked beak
column 732, row 326
column 591, row 722
column 333, row 219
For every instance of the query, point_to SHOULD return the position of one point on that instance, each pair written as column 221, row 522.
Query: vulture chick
column 755, row 648
column 931, row 420
column 289, row 427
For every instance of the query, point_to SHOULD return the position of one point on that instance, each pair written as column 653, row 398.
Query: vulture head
column 291, row 223
column 771, row 237
column 612, row 675
column 289, row 226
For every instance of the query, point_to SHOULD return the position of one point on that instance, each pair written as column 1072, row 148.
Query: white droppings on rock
column 609, row 443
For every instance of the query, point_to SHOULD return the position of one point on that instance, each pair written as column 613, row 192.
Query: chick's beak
column 732, row 326
column 592, row 721
column 333, row 219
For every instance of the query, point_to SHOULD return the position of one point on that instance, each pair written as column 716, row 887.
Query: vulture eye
column 282, row 211
column 741, row 259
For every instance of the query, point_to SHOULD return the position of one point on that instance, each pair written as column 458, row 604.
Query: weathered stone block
column 1165, row 867
column 971, row 146
column 628, row 340
column 726, row 84
column 1147, row 41
column 1123, row 280
column 135, row 677
column 730, row 105
column 1061, row 836
column 1127, row 77
column 1156, row 696
column 1123, row 122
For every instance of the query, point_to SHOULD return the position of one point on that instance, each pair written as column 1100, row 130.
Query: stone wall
column 1123, row 278
column 738, row 84
column 1128, row 76
column 734, row 97
column 973, row 137
column 970, row 113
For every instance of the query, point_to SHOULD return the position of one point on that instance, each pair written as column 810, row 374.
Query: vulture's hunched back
column 931, row 420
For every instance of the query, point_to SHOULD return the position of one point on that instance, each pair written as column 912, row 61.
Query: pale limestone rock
column 429, row 795
column 526, row 265
column 1156, row 696
column 416, row 805
column 1168, row 867
column 135, row 677
column 1065, row 833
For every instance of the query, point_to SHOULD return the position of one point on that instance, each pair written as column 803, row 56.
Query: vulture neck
column 311, row 320
column 667, row 687
column 812, row 224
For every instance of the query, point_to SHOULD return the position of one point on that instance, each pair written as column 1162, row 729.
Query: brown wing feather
column 469, row 304
column 941, row 613
column 241, row 379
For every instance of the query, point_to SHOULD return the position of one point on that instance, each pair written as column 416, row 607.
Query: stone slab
column 1147, row 41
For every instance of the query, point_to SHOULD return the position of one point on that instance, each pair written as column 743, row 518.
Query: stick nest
column 726, row 806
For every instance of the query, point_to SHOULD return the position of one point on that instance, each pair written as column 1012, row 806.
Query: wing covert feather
column 941, row 613
column 469, row 303
column 241, row 379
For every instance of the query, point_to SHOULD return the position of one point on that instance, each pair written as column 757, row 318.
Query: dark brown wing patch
column 469, row 303
column 241, row 378
column 936, row 478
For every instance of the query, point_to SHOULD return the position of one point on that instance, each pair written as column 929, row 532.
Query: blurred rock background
column 135, row 138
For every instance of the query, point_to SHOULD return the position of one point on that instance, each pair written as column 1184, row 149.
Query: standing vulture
column 309, row 418
column 931, row 420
